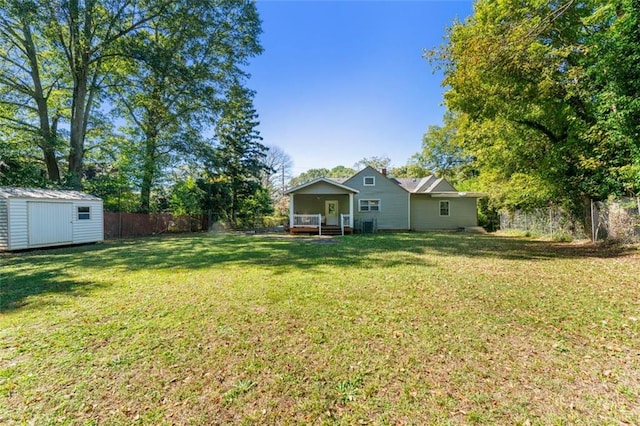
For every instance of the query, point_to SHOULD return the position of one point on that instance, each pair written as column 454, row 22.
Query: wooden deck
column 326, row 230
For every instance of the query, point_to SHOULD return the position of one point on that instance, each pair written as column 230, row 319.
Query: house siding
column 394, row 210
column 425, row 213
column 321, row 188
column 313, row 204
column 4, row 225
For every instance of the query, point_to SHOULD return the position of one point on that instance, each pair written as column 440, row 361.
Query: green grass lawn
column 365, row 329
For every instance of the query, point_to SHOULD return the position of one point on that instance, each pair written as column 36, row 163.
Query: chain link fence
column 616, row 219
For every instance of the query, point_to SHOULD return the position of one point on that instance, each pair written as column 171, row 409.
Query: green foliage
column 238, row 164
column 412, row 169
column 377, row 163
column 443, row 150
column 254, row 209
column 163, row 65
column 309, row 176
column 186, row 197
column 312, row 174
column 18, row 167
column 171, row 88
column 111, row 185
column 535, row 83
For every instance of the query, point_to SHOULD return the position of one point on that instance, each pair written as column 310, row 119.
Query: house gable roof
column 318, row 181
column 370, row 171
column 431, row 185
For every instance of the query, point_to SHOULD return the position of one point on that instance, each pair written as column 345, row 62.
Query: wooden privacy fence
column 125, row 225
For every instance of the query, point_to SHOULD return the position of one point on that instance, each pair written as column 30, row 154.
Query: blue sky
column 342, row 80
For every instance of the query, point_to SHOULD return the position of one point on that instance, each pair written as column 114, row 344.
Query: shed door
column 50, row 223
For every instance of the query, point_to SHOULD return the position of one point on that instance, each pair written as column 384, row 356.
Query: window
column 444, row 208
column 84, row 213
column 369, row 181
column 369, row 205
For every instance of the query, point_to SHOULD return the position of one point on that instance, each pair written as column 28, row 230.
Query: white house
column 31, row 218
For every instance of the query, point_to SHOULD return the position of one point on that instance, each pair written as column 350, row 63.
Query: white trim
column 364, row 181
column 369, row 204
column 325, row 180
column 409, row 211
column 78, row 212
column 457, row 194
column 291, row 210
column 351, row 210
column 448, row 208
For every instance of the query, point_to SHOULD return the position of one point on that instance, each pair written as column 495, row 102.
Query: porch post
column 351, row 211
column 291, row 210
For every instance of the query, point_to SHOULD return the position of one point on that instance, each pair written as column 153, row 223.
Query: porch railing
column 345, row 221
column 308, row 220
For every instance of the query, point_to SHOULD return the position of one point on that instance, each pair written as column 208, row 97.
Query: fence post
column 594, row 232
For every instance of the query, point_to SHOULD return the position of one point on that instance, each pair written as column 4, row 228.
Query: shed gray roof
column 45, row 194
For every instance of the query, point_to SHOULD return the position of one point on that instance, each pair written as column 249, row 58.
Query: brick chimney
column 384, row 172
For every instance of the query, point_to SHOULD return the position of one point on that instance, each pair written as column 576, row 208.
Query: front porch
column 315, row 224
column 321, row 207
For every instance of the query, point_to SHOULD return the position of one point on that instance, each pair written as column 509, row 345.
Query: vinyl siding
column 314, row 204
column 15, row 214
column 18, row 224
column 425, row 213
column 321, row 188
column 88, row 230
column 4, row 225
column 394, row 204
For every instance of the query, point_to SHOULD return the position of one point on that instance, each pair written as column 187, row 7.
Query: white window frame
column 85, row 214
column 368, row 205
column 448, row 208
column 373, row 181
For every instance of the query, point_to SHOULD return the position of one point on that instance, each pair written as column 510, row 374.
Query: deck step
column 326, row 230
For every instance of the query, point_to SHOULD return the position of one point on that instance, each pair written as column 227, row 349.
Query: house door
column 331, row 212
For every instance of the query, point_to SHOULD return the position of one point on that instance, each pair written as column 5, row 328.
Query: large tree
column 443, row 150
column 32, row 82
column 519, row 70
column 89, row 35
column 239, row 161
column 182, row 64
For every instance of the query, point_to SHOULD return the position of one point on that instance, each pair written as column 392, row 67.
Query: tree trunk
column 53, row 171
column 148, row 171
column 76, row 141
column 48, row 132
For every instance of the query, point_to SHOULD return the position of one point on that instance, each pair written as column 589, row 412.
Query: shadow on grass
column 46, row 271
column 16, row 287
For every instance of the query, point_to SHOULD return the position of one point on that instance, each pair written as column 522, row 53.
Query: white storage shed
column 31, row 218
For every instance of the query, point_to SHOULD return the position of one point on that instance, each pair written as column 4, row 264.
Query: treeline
column 543, row 101
column 142, row 103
